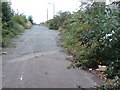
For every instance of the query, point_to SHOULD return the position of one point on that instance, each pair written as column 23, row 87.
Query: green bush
column 113, row 69
column 0, row 31
column 112, row 85
column 20, row 19
column 58, row 20
column 6, row 40
column 12, row 24
column 93, row 37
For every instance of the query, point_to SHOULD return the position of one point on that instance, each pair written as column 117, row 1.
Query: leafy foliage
column 0, row 32
column 112, row 85
column 20, row 19
column 58, row 20
column 7, row 15
column 92, row 36
column 12, row 23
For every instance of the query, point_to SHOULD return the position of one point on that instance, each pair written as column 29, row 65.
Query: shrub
column 94, row 37
column 0, row 32
column 58, row 20
column 20, row 19
column 111, row 85
column 12, row 24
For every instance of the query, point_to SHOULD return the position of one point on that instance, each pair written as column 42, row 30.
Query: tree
column 6, row 12
column 30, row 18
column 7, row 15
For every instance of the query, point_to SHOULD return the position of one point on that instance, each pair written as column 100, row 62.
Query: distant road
column 35, row 61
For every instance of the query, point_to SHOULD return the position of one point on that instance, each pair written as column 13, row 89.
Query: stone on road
column 37, row 62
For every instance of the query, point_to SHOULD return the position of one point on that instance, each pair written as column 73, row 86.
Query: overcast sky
column 38, row 8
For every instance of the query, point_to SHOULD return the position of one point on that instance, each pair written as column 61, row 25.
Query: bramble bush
column 92, row 36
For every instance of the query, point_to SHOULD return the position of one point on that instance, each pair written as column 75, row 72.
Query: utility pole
column 47, row 14
column 53, row 8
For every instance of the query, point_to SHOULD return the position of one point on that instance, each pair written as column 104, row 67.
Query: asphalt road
column 35, row 61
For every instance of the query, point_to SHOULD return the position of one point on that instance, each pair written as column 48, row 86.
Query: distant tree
column 30, row 18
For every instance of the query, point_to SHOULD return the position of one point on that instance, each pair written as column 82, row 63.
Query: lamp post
column 53, row 8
